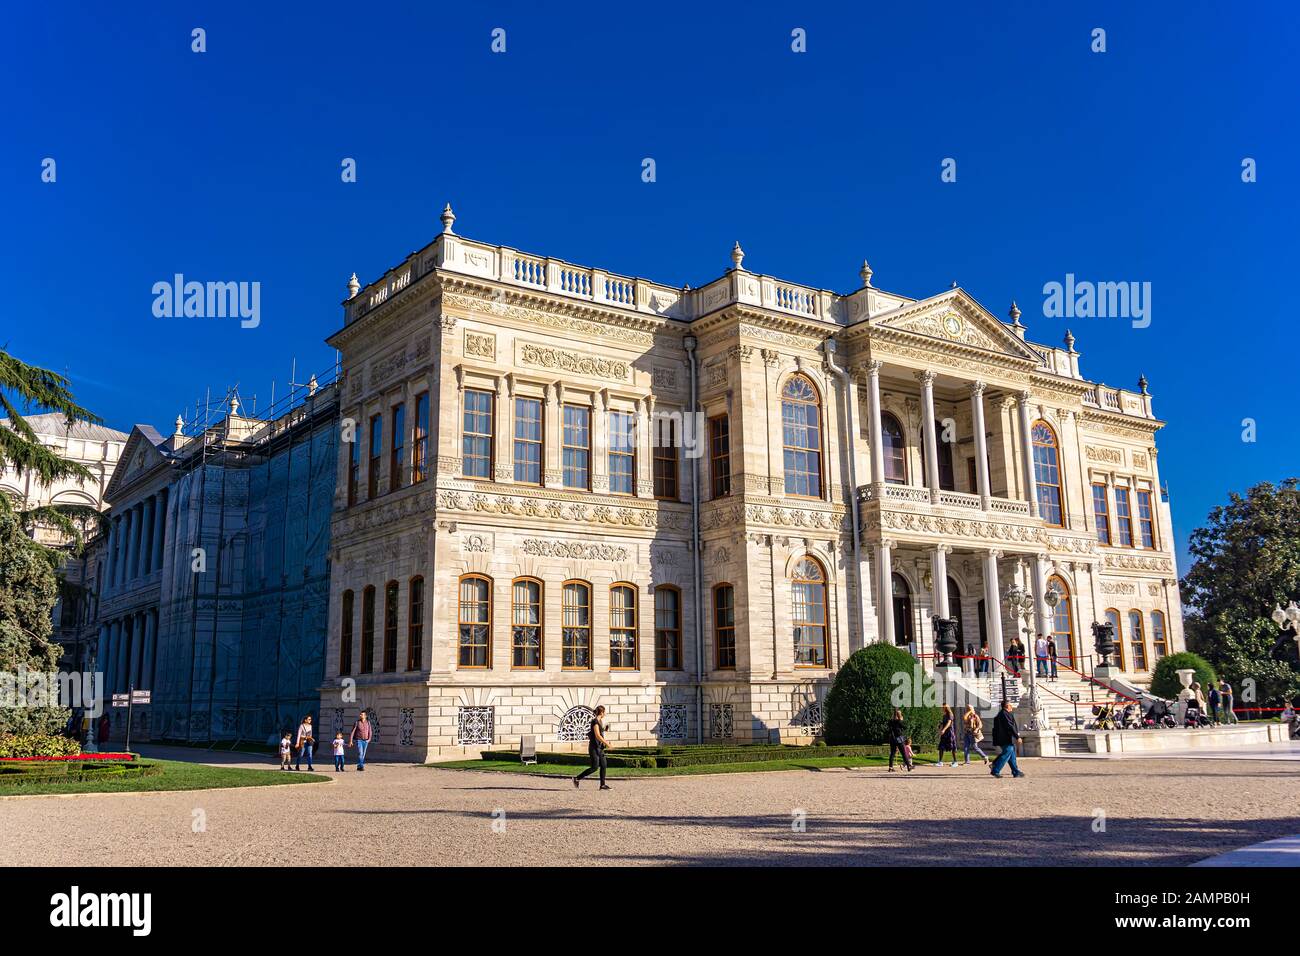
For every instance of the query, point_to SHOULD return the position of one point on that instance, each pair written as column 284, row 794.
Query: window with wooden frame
column 893, row 447
column 622, row 627
column 1137, row 637
column 420, row 440
column 376, row 455
column 1063, row 621
column 808, row 613
column 1101, row 512
column 801, row 436
column 368, row 629
column 575, row 619
column 664, row 459
column 719, row 456
column 1146, row 521
column 415, row 624
column 668, row 628
column 345, row 634
column 526, row 624
column 1123, row 517
column 476, row 438
column 528, row 440
column 1159, row 642
column 575, row 447
column 1047, row 473
column 724, row 627
column 474, row 621
column 354, row 468
column 1112, row 617
column 622, row 452
column 397, row 448
column 390, row 627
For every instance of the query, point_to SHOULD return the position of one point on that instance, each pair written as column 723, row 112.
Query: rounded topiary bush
column 869, row 686
column 1164, row 679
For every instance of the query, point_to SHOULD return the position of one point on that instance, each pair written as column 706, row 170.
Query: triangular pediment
column 140, row 456
column 954, row 317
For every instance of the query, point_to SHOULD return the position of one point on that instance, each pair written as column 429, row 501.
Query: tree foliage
column 20, row 447
column 28, row 588
column 1246, row 561
column 862, row 699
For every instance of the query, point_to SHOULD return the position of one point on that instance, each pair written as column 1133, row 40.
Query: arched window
column 808, row 613
column 368, row 629
column 1112, row 616
column 1047, row 473
column 1063, row 621
column 474, row 620
column 802, row 437
column 1137, row 636
column 526, row 624
column 1159, row 643
column 904, row 630
column 575, row 636
column 415, row 624
column 622, row 627
column 668, row 628
column 345, row 635
column 724, row 626
column 390, row 626
column 894, row 447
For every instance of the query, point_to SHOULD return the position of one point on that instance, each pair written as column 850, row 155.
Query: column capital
column 1024, row 397
column 926, row 378
column 874, row 367
column 888, row 543
column 995, row 555
column 977, row 388
column 944, row 548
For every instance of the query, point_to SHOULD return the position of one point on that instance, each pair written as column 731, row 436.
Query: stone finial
column 865, row 273
column 234, row 405
column 353, row 286
column 312, row 385
column 1142, row 384
column 1069, row 341
column 737, row 257
column 954, row 284
column 1015, row 315
column 448, row 217
column 180, row 426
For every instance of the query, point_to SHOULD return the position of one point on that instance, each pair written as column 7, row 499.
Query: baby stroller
column 1103, row 717
column 1195, row 718
column 1159, row 715
column 1130, row 717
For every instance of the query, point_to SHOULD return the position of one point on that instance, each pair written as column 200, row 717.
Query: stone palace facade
column 559, row 487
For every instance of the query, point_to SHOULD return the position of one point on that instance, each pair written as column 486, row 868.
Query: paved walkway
column 1171, row 811
column 1281, row 750
column 1283, row 852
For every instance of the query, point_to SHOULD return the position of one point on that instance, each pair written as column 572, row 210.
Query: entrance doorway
column 904, row 627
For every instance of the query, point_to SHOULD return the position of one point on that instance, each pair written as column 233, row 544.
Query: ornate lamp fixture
column 945, row 638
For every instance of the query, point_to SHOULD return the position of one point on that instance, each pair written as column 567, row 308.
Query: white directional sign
column 121, row 700
column 141, row 696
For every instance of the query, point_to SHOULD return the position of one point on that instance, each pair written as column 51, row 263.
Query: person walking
column 339, row 748
column 303, row 743
column 1051, row 655
column 286, row 749
column 897, row 740
column 104, row 730
column 362, row 731
column 947, row 734
column 982, row 665
column 1005, row 735
column 1225, row 697
column 1213, row 701
column 1040, row 656
column 596, row 744
column 972, row 734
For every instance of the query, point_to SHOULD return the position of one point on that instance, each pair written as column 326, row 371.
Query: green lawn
column 759, row 766
column 175, row 775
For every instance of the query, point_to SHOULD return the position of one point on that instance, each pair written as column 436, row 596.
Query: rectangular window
column 474, row 620
column 622, row 453
column 1138, row 641
column 576, row 447
column 526, row 625
column 1159, row 646
column 575, row 651
column 622, row 628
column 1146, row 522
column 415, row 626
column 420, row 445
column 720, row 455
column 397, row 448
column 368, row 630
column 668, row 628
column 390, row 627
column 1101, row 513
column 354, row 468
column 724, row 626
column 476, row 461
column 1123, row 518
column 345, row 636
column 376, row 452
column 665, row 458
column 528, row 440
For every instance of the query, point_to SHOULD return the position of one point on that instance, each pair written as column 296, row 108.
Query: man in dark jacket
column 1005, row 733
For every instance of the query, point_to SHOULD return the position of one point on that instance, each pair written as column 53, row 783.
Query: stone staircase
column 1055, row 695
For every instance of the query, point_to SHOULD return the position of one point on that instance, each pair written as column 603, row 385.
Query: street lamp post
column 1020, row 600
column 1288, row 620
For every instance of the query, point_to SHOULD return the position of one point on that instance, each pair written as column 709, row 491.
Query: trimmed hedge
column 650, row 758
column 1164, row 679
column 861, row 702
column 70, row 771
column 37, row 745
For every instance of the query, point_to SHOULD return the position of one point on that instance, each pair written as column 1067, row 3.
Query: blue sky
column 1115, row 166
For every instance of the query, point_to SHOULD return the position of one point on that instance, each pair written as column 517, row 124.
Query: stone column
column 123, row 647
column 110, row 544
column 598, row 441
column 1038, row 572
column 119, row 560
column 644, row 449
column 981, row 444
column 931, row 450
column 505, row 463
column 939, row 571
column 885, row 586
column 876, row 428
column 1027, row 453
column 101, row 661
column 146, row 536
column 132, row 544
column 160, row 528
column 993, row 604
column 150, row 649
column 553, row 436
column 137, row 650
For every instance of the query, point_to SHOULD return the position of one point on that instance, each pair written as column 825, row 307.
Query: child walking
column 339, row 744
column 286, row 750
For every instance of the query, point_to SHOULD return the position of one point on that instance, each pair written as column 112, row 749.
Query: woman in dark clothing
column 596, row 744
column 897, row 737
column 947, row 735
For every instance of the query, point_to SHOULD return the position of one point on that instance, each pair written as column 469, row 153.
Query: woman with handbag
column 898, row 740
column 973, row 733
column 304, row 743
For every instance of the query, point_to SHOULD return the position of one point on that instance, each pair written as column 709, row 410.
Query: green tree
column 1164, row 678
column 868, row 686
column 1246, row 561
